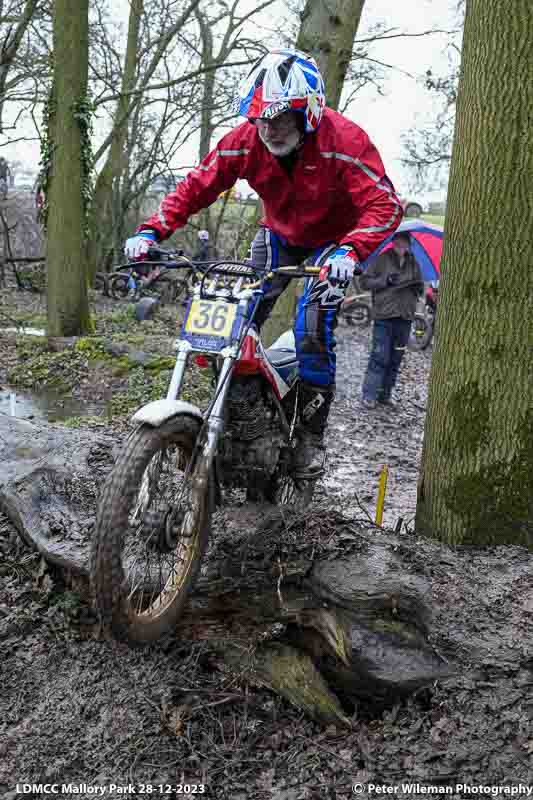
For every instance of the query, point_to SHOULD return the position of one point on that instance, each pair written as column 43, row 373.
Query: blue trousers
column 389, row 340
column 316, row 316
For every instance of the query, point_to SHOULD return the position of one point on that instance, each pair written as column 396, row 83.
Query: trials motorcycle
column 154, row 516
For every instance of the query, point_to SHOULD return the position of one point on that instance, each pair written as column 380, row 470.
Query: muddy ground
column 77, row 709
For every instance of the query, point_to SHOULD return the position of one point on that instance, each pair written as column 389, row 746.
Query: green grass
column 436, row 220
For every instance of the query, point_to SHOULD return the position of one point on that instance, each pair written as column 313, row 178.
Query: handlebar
column 157, row 255
column 173, row 259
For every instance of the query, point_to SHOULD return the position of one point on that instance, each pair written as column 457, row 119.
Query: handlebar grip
column 153, row 254
column 297, row 272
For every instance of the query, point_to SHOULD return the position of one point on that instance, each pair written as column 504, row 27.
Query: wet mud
column 77, row 708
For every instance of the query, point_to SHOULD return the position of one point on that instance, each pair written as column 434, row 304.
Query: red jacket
column 337, row 191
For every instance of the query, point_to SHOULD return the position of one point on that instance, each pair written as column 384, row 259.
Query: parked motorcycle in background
column 424, row 323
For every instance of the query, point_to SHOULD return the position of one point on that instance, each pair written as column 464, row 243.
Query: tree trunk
column 476, row 484
column 208, row 89
column 327, row 32
column 107, row 191
column 282, row 317
column 68, row 310
column 208, row 98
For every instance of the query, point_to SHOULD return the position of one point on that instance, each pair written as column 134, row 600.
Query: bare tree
column 428, row 148
column 14, row 23
column 328, row 32
column 68, row 311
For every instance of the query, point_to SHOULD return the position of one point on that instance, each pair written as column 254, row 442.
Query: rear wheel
column 284, row 489
column 294, row 493
column 101, row 283
column 413, row 210
column 357, row 315
column 421, row 333
column 167, row 289
column 151, row 532
column 118, row 286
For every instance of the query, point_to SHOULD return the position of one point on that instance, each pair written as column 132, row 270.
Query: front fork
column 214, row 419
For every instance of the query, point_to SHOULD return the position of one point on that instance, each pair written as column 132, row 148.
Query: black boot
column 310, row 453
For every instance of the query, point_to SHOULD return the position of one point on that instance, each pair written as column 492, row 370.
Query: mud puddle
column 48, row 406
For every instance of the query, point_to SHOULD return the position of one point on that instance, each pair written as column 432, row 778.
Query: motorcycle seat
column 280, row 356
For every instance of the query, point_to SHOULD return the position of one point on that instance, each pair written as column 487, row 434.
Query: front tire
column 151, row 532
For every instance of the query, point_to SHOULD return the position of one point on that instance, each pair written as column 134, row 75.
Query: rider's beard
column 281, row 146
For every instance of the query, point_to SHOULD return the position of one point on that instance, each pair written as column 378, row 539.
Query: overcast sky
column 385, row 118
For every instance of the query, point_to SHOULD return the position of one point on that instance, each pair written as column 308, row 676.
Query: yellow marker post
column 382, row 491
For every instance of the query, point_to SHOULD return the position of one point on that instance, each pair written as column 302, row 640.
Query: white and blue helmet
column 283, row 80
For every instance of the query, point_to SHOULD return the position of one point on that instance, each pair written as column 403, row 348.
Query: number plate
column 210, row 318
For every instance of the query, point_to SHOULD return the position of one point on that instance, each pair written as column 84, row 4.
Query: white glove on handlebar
column 341, row 264
column 136, row 247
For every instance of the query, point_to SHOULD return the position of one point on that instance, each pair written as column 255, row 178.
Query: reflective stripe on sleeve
column 242, row 152
column 352, row 160
column 161, row 217
column 390, row 222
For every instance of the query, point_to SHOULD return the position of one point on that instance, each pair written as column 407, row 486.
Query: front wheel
column 151, row 532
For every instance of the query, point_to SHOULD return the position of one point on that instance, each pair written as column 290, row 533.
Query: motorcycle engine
column 252, row 440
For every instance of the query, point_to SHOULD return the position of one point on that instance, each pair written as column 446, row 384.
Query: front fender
column 158, row 412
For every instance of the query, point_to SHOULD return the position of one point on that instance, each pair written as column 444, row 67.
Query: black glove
column 393, row 280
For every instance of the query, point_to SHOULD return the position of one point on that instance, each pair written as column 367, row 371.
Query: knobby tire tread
column 112, row 519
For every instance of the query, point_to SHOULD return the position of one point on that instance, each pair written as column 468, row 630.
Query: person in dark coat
column 396, row 282
column 204, row 249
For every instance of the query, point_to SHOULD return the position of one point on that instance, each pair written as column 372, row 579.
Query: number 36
column 211, row 316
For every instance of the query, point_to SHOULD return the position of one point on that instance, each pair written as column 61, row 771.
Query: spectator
column 396, row 282
column 5, row 173
column 204, row 250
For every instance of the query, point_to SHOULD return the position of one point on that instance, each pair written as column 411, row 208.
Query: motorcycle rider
column 326, row 199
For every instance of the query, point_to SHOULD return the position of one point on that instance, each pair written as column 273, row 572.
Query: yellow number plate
column 210, row 318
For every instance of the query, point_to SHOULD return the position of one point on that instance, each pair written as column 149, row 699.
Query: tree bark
column 282, row 317
column 68, row 310
column 327, row 32
column 208, row 96
column 476, row 484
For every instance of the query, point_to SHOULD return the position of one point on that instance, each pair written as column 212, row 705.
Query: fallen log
column 324, row 609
